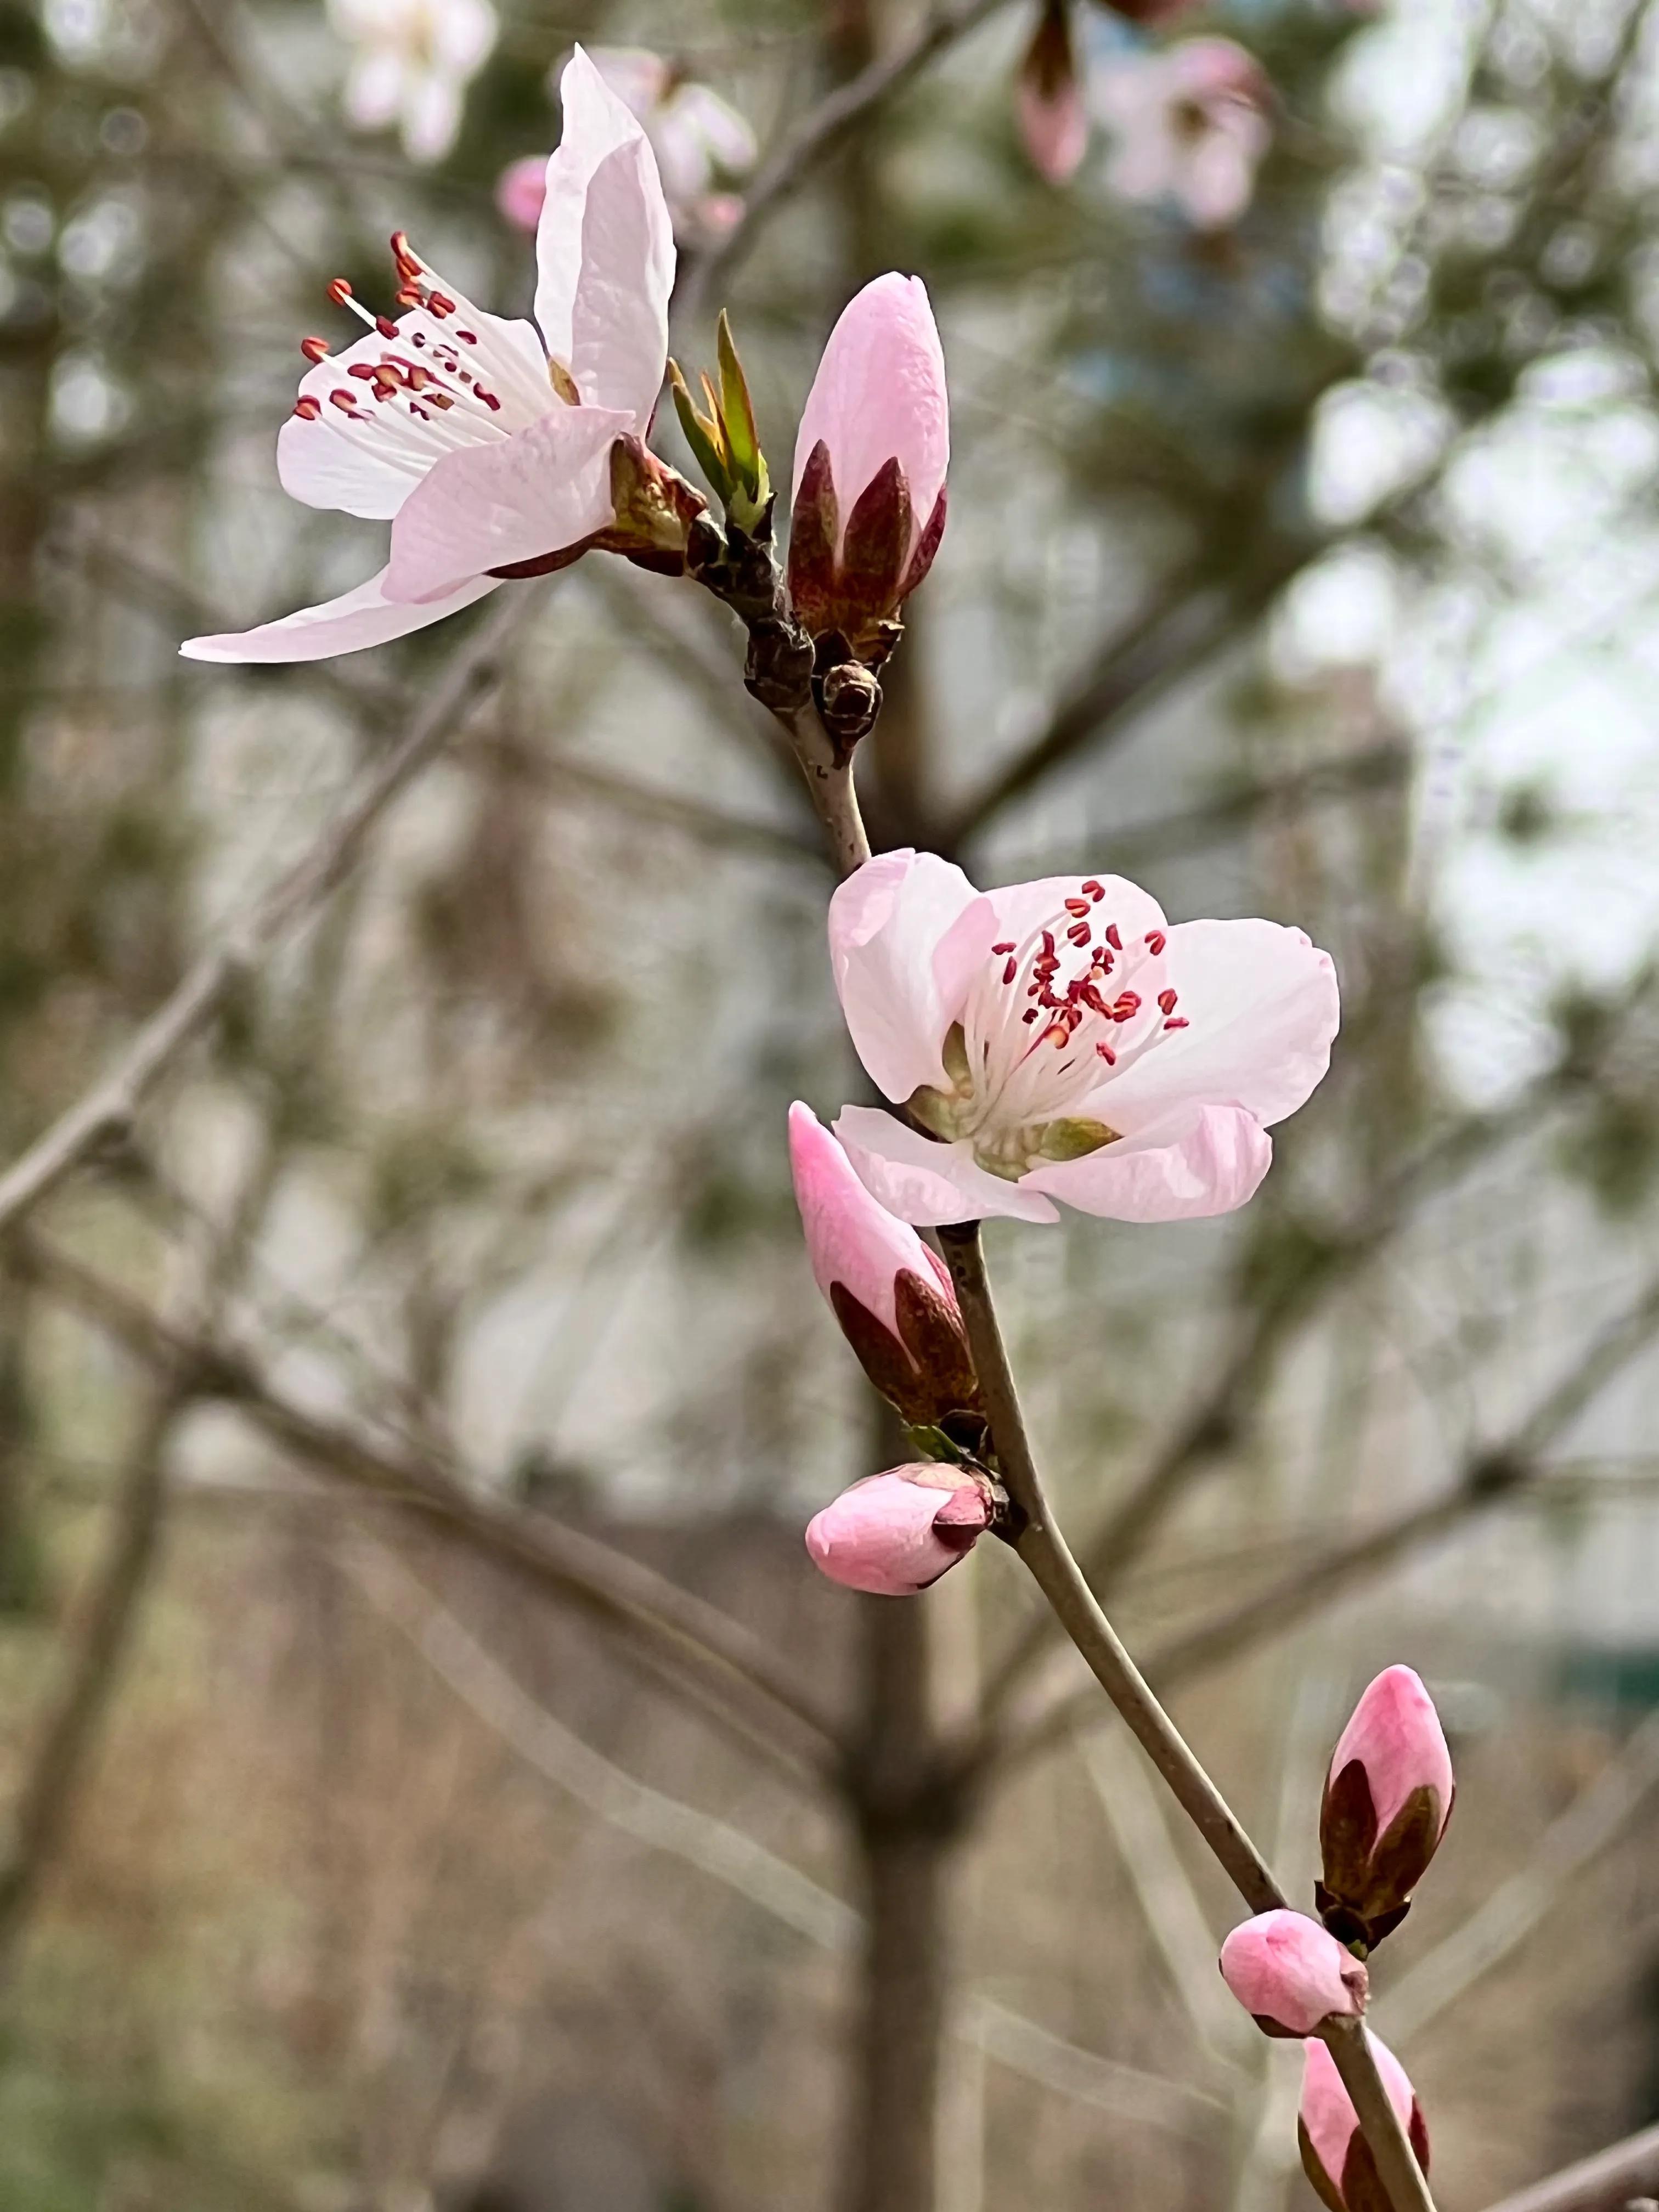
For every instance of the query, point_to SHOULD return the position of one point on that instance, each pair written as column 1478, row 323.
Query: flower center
column 441, row 380
column 1036, row 1049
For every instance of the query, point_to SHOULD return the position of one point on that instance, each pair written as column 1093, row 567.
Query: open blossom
column 1061, row 1040
column 494, row 448
column 871, row 458
column 1191, row 126
column 1387, row 1798
column 893, row 1297
column 1290, row 1975
column 1335, row 2156
column 892, row 1534
column 1054, row 122
column 413, row 62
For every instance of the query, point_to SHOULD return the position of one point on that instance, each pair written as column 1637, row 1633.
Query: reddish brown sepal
column 927, row 546
column 926, row 1372
column 1367, row 1881
column 875, row 550
column 814, row 528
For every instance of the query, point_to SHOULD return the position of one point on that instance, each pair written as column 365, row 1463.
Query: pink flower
column 697, row 136
column 1387, row 1798
column 1191, row 125
column 871, row 458
column 487, row 444
column 1060, row 1040
column 413, row 62
column 521, row 190
column 1048, row 100
column 1334, row 2155
column 893, row 1297
column 894, row 1533
column 1290, row 1975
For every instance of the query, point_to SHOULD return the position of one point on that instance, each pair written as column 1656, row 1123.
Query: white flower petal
column 926, row 1184
column 358, row 618
column 1196, row 1162
column 540, row 492
column 901, row 968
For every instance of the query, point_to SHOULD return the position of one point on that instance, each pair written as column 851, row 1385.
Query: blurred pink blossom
column 486, row 444
column 1054, row 122
column 1335, row 2155
column 521, row 190
column 1191, row 125
column 412, row 64
column 1060, row 1040
column 1290, row 1975
column 892, row 1534
column 699, row 138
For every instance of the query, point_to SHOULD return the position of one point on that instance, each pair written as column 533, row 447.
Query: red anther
column 339, row 291
column 469, row 338
column 1179, row 1023
column 1090, row 997
column 1059, row 1036
column 1096, row 890
column 439, row 399
column 1166, row 1001
column 1048, row 945
column 1131, row 999
column 488, row 399
column 1156, row 941
column 1079, row 933
column 410, row 295
column 419, row 411
column 440, row 304
column 315, row 350
column 308, row 409
column 1030, row 1014
column 408, row 266
column 1011, row 971
column 1008, row 946
column 1107, row 1055
column 363, row 371
column 385, row 326
column 1112, row 937
column 1077, row 906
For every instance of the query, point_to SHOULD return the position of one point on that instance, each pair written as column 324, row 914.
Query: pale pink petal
column 880, row 394
column 373, row 93
column 927, row 1183
column 880, row 1536
column 850, row 1239
column 466, row 33
column 359, row 618
column 615, row 309
column 619, row 323
column 1283, row 1967
column 520, row 191
column 1220, row 180
column 888, row 922
column 727, row 135
column 637, row 77
column 1262, row 1008
column 1199, row 1161
column 1395, row 1734
column 1021, row 908
column 1326, row 2111
column 491, row 507
column 431, row 115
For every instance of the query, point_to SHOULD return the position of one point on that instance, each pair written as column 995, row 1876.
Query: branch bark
column 1606, row 2183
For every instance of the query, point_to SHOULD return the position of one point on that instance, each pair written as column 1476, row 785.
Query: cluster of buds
column 895, row 1533
column 1387, row 1799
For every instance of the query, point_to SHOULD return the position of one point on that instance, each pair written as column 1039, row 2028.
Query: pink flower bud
column 892, row 1296
column 521, row 192
column 1335, row 2156
column 1290, row 1975
column 1048, row 99
column 871, row 458
column 1387, row 1798
column 894, row 1533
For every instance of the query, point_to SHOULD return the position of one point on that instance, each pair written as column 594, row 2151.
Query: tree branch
column 690, row 1646
column 1609, row 2182
column 106, row 1113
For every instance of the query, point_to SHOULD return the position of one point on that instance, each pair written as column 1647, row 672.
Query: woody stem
column 830, row 782
column 1046, row 1554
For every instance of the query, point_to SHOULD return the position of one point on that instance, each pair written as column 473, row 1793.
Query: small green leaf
column 737, row 413
column 701, row 436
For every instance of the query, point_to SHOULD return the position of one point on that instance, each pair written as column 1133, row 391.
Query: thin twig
column 1044, row 1550
column 1606, row 2183
column 706, row 1657
column 106, row 1113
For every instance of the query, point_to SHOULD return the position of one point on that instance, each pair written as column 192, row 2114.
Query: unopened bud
column 892, row 1296
column 893, row 1535
column 1335, row 2156
column 849, row 700
column 1289, row 1975
column 1048, row 99
column 1387, row 1798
